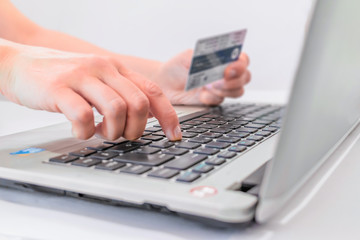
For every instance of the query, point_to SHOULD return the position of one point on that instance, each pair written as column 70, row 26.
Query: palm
column 172, row 78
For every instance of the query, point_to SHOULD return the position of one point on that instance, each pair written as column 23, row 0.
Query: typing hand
column 72, row 84
column 172, row 76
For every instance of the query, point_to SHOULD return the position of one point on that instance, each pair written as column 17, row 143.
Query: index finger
column 160, row 105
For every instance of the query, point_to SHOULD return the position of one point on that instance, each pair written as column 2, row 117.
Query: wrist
column 145, row 67
column 8, row 52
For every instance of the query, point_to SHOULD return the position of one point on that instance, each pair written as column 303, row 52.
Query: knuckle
column 153, row 89
column 139, row 103
column 115, row 107
column 98, row 61
column 84, row 115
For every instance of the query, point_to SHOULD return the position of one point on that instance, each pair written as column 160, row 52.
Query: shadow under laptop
column 114, row 219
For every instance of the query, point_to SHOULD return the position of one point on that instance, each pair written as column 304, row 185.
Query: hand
column 72, row 84
column 172, row 76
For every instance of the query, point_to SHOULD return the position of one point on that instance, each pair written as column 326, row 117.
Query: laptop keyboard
column 211, row 138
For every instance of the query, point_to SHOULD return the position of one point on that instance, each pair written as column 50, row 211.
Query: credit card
column 212, row 55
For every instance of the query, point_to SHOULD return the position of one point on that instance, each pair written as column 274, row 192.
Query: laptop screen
column 324, row 104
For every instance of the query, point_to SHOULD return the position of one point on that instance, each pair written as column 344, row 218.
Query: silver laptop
column 237, row 163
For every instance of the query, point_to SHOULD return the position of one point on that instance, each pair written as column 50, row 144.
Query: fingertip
column 244, row 57
column 174, row 134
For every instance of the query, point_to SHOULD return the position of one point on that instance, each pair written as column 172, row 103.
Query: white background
column 159, row 29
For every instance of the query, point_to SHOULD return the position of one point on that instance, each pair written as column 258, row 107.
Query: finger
column 235, row 69
column 231, row 84
column 244, row 57
column 136, row 101
column 109, row 104
column 77, row 110
column 160, row 106
column 236, row 92
column 209, row 98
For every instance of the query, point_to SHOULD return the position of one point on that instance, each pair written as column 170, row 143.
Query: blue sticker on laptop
column 27, row 151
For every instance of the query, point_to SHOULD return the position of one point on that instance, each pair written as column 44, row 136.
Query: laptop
column 237, row 163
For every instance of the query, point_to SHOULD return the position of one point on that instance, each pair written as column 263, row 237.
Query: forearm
column 64, row 42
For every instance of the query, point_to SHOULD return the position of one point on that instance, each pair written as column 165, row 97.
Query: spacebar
column 143, row 159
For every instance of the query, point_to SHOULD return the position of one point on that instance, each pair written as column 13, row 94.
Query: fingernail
column 175, row 134
column 232, row 73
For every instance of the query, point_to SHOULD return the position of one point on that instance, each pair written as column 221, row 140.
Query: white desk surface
column 330, row 211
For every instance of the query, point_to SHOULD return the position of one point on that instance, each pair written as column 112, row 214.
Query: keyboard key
column 270, row 129
column 237, row 148
column 140, row 142
column 145, row 134
column 225, row 118
column 219, row 145
column 148, row 150
column 163, row 173
column 247, row 130
column 264, row 122
column 187, row 145
column 227, row 154
column 255, row 138
column 215, row 122
column 200, row 140
column 115, row 142
column 207, row 126
column 159, row 133
column 145, row 159
column 202, row 168
column 110, row 165
column 135, row 169
column 123, row 147
column 175, row 151
column 152, row 129
column 275, row 125
column 203, row 119
column 185, row 127
column 231, row 126
column 86, row 162
column 188, row 177
column 246, row 143
column 227, row 139
column 237, row 134
column 83, row 152
column 197, row 130
column 240, row 122
column 152, row 138
column 162, row 144
column 215, row 161
column 100, row 147
column 189, row 134
column 220, row 130
column 211, row 135
column 63, row 159
column 206, row 151
column 253, row 125
column 192, row 122
column 263, row 133
column 185, row 161
column 104, row 155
